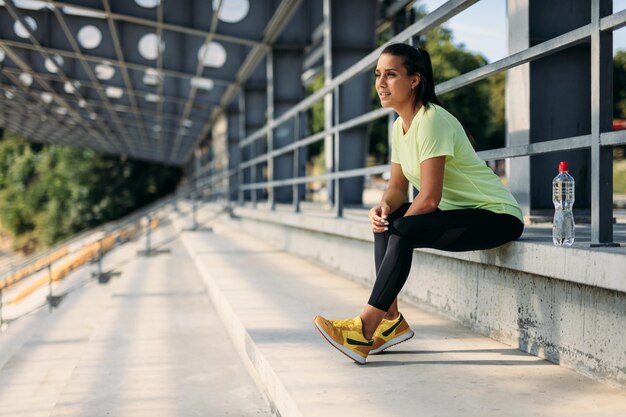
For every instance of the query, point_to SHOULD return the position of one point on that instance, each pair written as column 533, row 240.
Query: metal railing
column 594, row 141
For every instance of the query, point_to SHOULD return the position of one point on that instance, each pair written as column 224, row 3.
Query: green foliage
column 48, row 193
column 619, row 177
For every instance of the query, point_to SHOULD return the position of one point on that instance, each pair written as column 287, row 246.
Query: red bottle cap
column 563, row 167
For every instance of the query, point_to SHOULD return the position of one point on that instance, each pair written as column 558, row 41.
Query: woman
column 461, row 204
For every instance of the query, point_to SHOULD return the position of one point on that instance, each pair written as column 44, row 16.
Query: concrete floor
column 148, row 343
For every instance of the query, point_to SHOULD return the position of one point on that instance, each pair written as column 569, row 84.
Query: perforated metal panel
column 142, row 78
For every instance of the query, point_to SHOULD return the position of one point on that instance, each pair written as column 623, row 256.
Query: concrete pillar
column 234, row 155
column 288, row 91
column 548, row 99
column 255, row 105
column 349, row 44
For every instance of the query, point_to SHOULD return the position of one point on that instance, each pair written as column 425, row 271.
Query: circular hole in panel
column 53, row 64
column 21, row 31
column 82, row 103
column 2, row 54
column 29, row 4
column 93, row 115
column 187, row 123
column 202, row 83
column 232, row 11
column 151, row 77
column 114, row 92
column 61, row 110
column 46, row 98
column 152, row 98
column 89, row 37
column 104, row 71
column 148, row 4
column 26, row 79
column 213, row 56
column 148, row 45
column 9, row 94
column 71, row 86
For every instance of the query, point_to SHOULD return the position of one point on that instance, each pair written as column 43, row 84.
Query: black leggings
column 449, row 230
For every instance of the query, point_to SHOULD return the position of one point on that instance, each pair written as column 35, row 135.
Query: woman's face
column 393, row 84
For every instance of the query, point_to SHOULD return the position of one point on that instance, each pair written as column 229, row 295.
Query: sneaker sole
column 395, row 341
column 349, row 353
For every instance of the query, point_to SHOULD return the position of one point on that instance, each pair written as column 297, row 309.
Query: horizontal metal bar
column 614, row 21
column 565, row 144
column 548, row 47
column 378, row 169
column 572, row 143
column 299, row 144
column 538, row 51
column 545, row 48
column 434, row 19
column 362, row 119
column 613, row 138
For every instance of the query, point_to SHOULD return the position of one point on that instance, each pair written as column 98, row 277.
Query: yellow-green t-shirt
column 467, row 182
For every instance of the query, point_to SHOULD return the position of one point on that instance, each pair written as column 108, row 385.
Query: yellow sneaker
column 389, row 333
column 346, row 336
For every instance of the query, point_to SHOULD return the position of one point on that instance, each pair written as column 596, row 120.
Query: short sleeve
column 435, row 137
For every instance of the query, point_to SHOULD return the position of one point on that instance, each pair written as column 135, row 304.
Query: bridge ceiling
column 141, row 78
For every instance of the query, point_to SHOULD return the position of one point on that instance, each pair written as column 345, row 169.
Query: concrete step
column 147, row 343
column 267, row 299
column 564, row 304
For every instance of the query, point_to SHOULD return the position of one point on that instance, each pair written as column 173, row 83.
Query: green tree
column 49, row 193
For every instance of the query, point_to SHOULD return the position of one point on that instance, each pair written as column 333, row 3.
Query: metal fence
column 596, row 141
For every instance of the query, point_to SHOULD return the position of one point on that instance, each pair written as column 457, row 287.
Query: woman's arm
column 397, row 189
column 393, row 198
column 431, row 174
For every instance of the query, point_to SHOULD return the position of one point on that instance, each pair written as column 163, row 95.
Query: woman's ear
column 416, row 81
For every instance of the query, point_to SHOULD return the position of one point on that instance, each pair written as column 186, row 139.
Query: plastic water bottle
column 563, row 199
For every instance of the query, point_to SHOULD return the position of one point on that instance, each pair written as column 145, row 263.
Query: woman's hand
column 378, row 217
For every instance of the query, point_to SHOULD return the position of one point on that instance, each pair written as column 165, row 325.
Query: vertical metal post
column 328, row 98
column 194, row 210
column 50, row 297
column 148, row 234
column 242, row 135
column 296, row 164
column 601, row 112
column 197, row 168
column 336, row 160
column 2, row 324
column 253, row 191
column 270, row 133
column 100, row 253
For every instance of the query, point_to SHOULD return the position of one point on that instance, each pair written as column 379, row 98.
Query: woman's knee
column 408, row 225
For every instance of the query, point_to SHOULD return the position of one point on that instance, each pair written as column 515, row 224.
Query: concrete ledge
column 509, row 293
column 604, row 268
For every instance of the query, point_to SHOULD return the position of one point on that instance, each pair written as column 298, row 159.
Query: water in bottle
column 563, row 199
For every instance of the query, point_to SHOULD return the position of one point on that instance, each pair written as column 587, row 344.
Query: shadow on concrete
column 510, row 352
